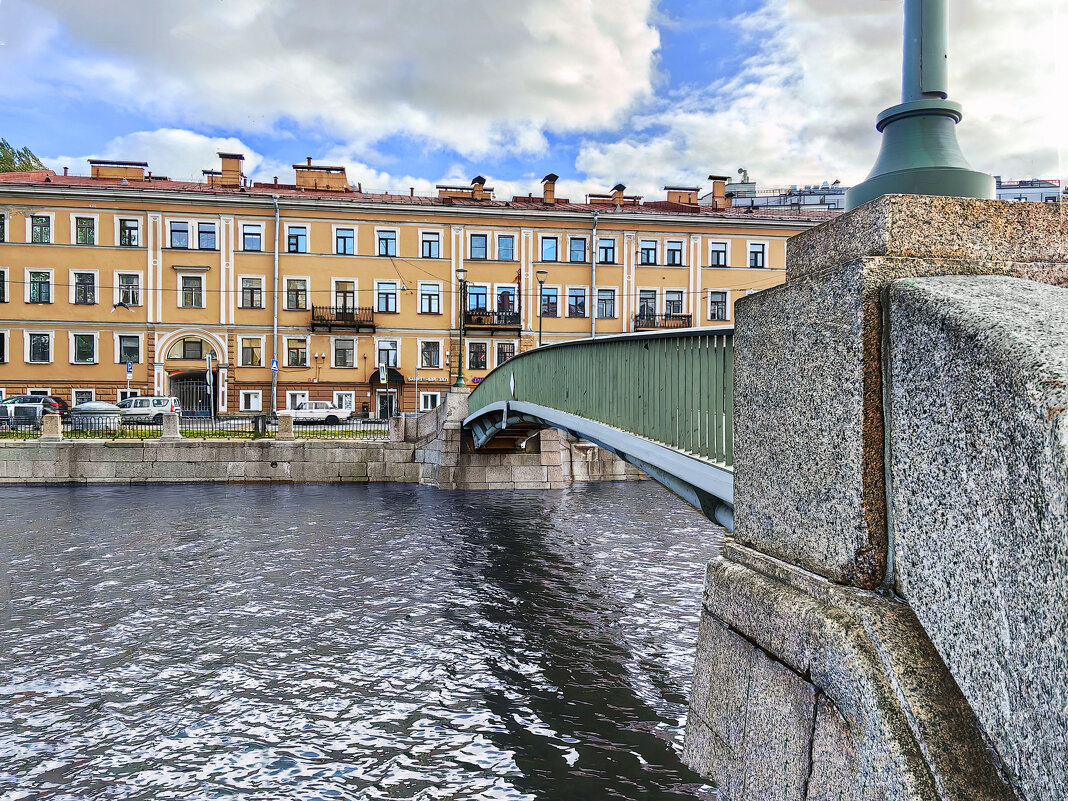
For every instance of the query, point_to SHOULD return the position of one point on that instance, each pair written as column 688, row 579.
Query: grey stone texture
column 979, row 471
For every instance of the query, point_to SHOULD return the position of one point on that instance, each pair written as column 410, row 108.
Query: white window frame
column 490, row 254
column 565, row 306
column 37, row 391
column 440, row 291
column 727, row 256
column 489, row 353
column 638, row 298
column 256, row 394
column 5, row 283
column 51, row 282
column 6, row 228
column 283, row 246
column 123, row 394
column 308, row 361
column 75, row 390
column 561, row 312
column 489, row 294
column 515, row 296
column 682, row 247
column 538, row 255
column 396, row 282
column 191, row 233
column 395, row 340
column 140, row 345
column 26, row 346
column 496, row 342
column 440, row 233
column 658, row 260
column 96, row 346
column 615, row 302
column 241, row 290
column 180, row 281
column 116, row 289
column 355, row 289
column 116, row 225
column 96, row 286
column 497, row 235
column 749, row 243
column 355, row 238
column 355, row 352
column 289, row 398
column 74, row 228
column 5, row 352
column 424, row 396
column 708, row 304
column 51, row 215
column 307, row 292
column 664, row 299
column 419, row 353
column 337, row 395
column 616, row 252
column 242, row 225
column 396, row 240
column 585, row 248
column 263, row 350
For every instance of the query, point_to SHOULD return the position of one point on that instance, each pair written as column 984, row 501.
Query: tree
column 12, row 160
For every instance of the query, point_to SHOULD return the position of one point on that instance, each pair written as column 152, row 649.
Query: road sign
column 129, row 369
column 274, row 365
column 381, row 374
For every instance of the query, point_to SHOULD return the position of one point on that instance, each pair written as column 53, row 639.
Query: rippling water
column 362, row 641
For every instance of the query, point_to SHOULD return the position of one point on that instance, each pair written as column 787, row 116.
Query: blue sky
column 415, row 92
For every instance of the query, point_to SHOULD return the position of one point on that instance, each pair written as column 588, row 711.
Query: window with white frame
column 179, row 234
column 477, row 297
column 294, row 398
column 40, row 229
column 82, row 348
column 38, row 347
column 387, row 243
column 647, row 251
column 576, row 301
column 124, row 394
column 344, row 352
column 646, row 302
column 345, row 241
column 717, row 254
column 128, row 288
column 3, row 347
column 386, row 296
column 606, row 251
column 430, row 298
column 673, row 253
column 206, row 236
column 430, row 354
column 3, row 285
column 344, row 295
column 296, row 352
column 84, row 231
column 251, row 292
column 505, row 351
column 79, row 396
column 129, row 232
column 550, row 306
column 251, row 352
column 297, row 239
column 84, row 288
column 252, row 237
column 673, row 301
column 128, row 348
column 717, row 305
column 345, row 399
column 429, row 400
column 387, row 352
column 506, row 302
column 296, row 293
column 577, row 249
column 758, row 254
column 549, row 248
column 430, row 245
column 479, row 247
column 477, row 355
column 3, row 227
column 506, row 248
column 191, row 295
column 39, row 288
column 251, row 400
column 606, row 303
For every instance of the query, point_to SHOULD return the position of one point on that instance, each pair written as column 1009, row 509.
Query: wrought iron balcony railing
column 653, row 321
column 330, row 317
column 484, row 318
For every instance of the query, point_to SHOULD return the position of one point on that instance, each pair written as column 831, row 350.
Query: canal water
column 364, row 641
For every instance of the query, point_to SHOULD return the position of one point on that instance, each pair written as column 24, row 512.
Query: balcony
column 492, row 321
column 646, row 322
column 343, row 318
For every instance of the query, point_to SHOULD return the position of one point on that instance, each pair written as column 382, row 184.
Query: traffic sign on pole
column 274, row 365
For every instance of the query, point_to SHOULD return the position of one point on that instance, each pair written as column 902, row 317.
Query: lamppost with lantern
column 461, row 276
column 541, row 276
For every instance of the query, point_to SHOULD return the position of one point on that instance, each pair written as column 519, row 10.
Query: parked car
column 49, row 404
column 148, row 408
column 320, row 412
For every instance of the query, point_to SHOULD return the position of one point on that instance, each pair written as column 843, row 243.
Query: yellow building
column 122, row 283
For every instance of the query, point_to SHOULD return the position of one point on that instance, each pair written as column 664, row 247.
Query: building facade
column 249, row 297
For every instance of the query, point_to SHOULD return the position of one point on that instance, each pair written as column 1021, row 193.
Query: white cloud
column 803, row 108
column 477, row 76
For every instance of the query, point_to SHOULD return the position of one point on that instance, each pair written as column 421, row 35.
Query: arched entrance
column 386, row 397
column 188, row 378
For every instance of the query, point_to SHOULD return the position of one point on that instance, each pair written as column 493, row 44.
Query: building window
column 717, row 255
column 387, row 243
column 387, row 352
column 80, row 396
column 251, row 238
column 386, row 294
column 192, row 291
column 606, row 251
column 548, row 248
column 206, row 236
column 251, row 400
column 476, row 356
column 40, row 348
column 40, row 229
column 345, row 241
column 479, row 247
column 3, row 228
column 647, row 302
column 179, row 235
column 345, row 400
column 757, row 252
column 505, row 351
column 188, row 349
column 577, row 250
column 297, row 239
column 296, row 293
column 251, row 353
column 506, row 300
column 129, row 233
column 549, row 304
column 84, row 348
column 296, row 353
column 40, row 287
column 673, row 301
column 429, row 400
column 506, row 248
column 129, row 349
column 3, row 286
column 345, row 295
column 130, row 289
column 429, row 299
column 84, row 289
column 576, row 301
column 647, row 252
column 84, row 231
column 344, row 352
column 674, row 254
column 606, row 303
column 251, row 293
column 717, row 305
column 430, row 354
column 477, row 297
column 123, row 394
column 430, row 246
column 3, row 351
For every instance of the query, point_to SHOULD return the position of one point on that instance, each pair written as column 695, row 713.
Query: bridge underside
column 706, row 486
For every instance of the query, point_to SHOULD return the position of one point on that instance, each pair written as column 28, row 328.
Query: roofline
column 113, row 163
column 264, row 200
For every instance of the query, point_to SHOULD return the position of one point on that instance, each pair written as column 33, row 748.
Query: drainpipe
column 593, row 278
column 274, row 324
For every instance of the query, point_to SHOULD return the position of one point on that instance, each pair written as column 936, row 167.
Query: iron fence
column 19, row 427
column 363, row 428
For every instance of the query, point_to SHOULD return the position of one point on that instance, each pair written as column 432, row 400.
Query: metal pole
column 274, row 324
column 593, row 279
column 460, row 356
column 541, row 309
column 924, row 72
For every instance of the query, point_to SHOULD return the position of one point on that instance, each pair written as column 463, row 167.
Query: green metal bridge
column 661, row 401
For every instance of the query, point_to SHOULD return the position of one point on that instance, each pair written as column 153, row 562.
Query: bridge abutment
column 829, row 666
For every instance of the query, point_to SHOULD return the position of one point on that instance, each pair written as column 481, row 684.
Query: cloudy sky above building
column 409, row 93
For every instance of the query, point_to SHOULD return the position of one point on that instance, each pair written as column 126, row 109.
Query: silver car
column 148, row 408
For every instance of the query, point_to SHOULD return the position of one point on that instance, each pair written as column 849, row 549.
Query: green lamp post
column 461, row 276
column 919, row 153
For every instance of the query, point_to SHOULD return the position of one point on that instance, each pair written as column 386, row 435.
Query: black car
column 50, row 404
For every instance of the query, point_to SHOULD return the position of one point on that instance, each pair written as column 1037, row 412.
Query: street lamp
column 541, row 276
column 461, row 276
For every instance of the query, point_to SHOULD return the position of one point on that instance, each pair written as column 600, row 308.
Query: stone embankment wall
column 888, row 620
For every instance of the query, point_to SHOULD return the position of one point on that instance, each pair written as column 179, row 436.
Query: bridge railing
column 673, row 387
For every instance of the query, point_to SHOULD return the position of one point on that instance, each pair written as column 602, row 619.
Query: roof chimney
column 230, row 175
column 309, row 160
column 478, row 184
column 548, row 192
column 617, row 194
column 719, row 192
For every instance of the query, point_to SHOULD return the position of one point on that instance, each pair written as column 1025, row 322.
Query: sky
column 412, row 93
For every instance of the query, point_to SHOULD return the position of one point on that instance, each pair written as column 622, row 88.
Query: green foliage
column 12, row 160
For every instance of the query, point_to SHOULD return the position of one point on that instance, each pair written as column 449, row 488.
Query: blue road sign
column 274, row 365
column 129, row 368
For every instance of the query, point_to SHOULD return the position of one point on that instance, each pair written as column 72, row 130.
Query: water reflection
column 377, row 641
